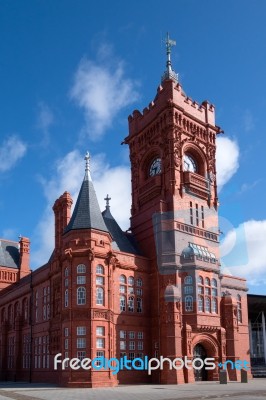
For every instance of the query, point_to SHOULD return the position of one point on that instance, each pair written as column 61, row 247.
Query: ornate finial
column 87, row 165
column 169, row 73
column 107, row 199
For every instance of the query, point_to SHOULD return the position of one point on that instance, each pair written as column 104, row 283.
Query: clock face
column 156, row 167
column 189, row 163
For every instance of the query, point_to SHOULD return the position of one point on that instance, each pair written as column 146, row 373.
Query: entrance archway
column 200, row 352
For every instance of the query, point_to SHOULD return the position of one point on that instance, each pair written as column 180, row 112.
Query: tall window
column 214, row 305
column 122, row 303
column 207, row 304
column 239, row 308
column 100, row 285
column 202, row 217
column 191, row 213
column 197, row 214
column 188, row 289
column 81, row 295
column 131, row 304
column 99, row 296
column 188, row 303
column 139, row 304
column 200, row 304
column 66, row 298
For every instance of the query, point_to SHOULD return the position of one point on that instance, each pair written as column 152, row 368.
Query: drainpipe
column 264, row 334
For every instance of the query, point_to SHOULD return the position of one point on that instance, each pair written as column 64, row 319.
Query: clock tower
column 174, row 219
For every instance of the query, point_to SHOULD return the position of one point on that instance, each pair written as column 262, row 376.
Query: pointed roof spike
column 87, row 159
column 87, row 213
column 169, row 73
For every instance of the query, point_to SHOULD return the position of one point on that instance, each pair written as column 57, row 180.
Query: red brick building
column 155, row 290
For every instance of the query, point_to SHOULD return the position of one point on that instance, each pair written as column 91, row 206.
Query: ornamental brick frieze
column 207, row 328
column 99, row 314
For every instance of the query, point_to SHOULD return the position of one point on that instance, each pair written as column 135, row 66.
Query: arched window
column 239, row 308
column 99, row 269
column 130, row 304
column 81, row 269
column 139, row 282
column 188, row 303
column 200, row 304
column 200, row 280
column 81, row 296
column 131, row 281
column 214, row 306
column 99, row 296
column 122, row 303
column 188, row 280
column 139, row 304
column 66, row 271
column 207, row 304
column 214, row 282
column 207, row 282
column 123, row 279
column 66, row 298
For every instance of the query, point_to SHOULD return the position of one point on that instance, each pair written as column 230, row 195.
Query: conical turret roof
column 87, row 214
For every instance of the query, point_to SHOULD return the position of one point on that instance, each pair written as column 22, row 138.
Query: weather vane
column 169, row 73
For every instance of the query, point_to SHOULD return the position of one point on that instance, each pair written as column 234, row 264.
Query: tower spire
column 169, row 73
column 87, row 166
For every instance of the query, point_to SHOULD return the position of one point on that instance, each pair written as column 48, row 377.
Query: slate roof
column 121, row 240
column 87, row 213
column 9, row 254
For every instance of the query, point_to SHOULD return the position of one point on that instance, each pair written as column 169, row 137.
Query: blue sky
column 72, row 71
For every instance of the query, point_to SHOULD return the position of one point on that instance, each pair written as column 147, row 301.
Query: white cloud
column 101, row 89
column 44, row 121
column 243, row 251
column 68, row 176
column 11, row 151
column 227, row 160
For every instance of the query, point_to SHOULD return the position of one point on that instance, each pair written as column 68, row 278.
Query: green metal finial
column 169, row 73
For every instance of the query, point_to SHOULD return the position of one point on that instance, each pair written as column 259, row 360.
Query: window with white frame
column 123, row 345
column 140, row 335
column 122, row 303
column 131, row 335
column 207, row 304
column 81, row 343
column 99, row 296
column 81, row 355
column 100, row 342
column 81, row 269
column 131, row 304
column 200, row 304
column 123, row 334
column 131, row 345
column 188, row 303
column 81, row 295
column 66, row 298
column 81, row 279
column 100, row 285
column 100, row 330
column 81, row 330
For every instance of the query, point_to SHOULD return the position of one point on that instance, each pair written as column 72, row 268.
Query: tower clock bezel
column 155, row 166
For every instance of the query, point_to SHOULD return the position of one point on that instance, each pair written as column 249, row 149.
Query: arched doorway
column 200, row 352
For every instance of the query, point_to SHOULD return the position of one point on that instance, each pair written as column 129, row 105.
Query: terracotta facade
column 167, row 297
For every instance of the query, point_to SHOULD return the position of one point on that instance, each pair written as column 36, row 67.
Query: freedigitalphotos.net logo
column 143, row 364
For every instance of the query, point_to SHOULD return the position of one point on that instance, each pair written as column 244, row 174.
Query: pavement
column 255, row 389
